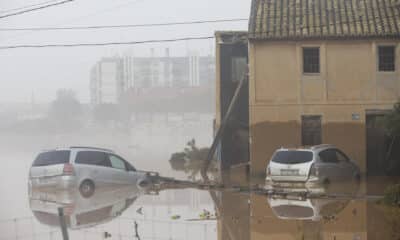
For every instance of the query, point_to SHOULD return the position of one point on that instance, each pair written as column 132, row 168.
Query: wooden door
column 311, row 130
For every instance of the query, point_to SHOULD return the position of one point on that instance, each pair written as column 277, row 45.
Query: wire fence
column 120, row 228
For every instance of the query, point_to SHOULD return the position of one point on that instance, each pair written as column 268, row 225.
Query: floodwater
column 351, row 211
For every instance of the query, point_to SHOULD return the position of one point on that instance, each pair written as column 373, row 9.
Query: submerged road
column 159, row 183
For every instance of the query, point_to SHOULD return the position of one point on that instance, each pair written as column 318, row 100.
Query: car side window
column 117, row 162
column 130, row 167
column 328, row 156
column 92, row 158
column 341, row 156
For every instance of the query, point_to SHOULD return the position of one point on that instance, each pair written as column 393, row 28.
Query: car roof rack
column 94, row 148
column 322, row 146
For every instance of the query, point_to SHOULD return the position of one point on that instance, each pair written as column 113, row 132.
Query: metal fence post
column 63, row 224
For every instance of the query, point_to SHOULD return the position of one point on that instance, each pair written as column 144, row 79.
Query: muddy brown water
column 122, row 213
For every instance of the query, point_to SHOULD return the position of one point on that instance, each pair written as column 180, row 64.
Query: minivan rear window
column 292, row 157
column 52, row 158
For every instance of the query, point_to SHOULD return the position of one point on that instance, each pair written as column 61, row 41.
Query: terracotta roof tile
column 319, row 19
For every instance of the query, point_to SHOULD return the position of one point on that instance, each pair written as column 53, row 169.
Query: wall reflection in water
column 348, row 214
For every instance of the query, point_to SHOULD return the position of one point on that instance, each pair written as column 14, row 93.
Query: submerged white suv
column 82, row 167
column 319, row 164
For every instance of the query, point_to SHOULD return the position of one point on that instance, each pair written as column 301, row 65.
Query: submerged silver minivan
column 82, row 167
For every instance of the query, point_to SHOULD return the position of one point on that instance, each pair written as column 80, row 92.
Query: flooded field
column 248, row 209
column 124, row 212
column 162, row 216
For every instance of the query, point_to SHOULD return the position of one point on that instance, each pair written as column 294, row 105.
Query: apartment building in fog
column 167, row 71
column 106, row 81
column 111, row 77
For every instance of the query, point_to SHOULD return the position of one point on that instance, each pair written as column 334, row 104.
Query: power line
column 35, row 9
column 97, row 12
column 131, row 42
column 105, row 43
column 165, row 40
column 108, row 9
column 124, row 26
column 27, row 6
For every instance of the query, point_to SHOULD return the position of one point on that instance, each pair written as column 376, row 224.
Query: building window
column 386, row 58
column 311, row 60
column 311, row 129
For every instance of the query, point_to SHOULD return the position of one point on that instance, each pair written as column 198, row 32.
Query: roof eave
column 254, row 37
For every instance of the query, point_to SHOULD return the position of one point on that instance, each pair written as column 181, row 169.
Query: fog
column 42, row 71
column 46, row 101
column 31, row 120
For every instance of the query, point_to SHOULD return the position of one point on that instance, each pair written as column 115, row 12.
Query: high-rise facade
column 107, row 81
column 111, row 77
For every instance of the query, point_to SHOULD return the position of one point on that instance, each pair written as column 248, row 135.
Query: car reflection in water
column 80, row 212
column 306, row 209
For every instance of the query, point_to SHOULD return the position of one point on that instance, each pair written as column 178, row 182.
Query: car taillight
column 68, row 169
column 313, row 171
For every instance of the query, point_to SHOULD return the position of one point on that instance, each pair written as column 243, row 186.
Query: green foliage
column 178, row 161
column 392, row 121
column 392, row 195
column 175, row 217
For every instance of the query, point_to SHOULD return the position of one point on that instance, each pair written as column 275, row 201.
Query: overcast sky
column 43, row 71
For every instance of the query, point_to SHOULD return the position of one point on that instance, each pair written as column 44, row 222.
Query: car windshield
column 52, row 158
column 292, row 157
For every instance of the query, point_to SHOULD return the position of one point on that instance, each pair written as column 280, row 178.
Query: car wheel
column 87, row 188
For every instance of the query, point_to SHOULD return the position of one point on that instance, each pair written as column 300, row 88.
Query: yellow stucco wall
column 348, row 83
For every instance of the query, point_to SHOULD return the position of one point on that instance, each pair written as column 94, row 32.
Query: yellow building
column 322, row 71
